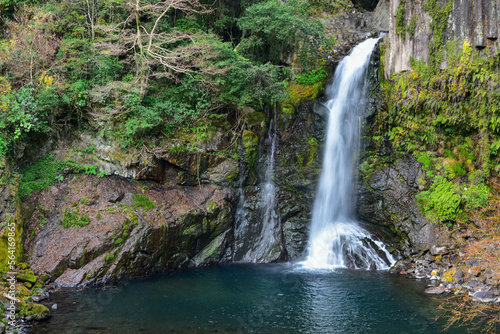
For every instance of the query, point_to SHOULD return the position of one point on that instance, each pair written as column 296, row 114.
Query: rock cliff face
column 133, row 229
column 182, row 209
column 176, row 208
column 414, row 24
column 387, row 197
column 11, row 219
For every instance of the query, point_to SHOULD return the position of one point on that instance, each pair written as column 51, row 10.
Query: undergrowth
column 44, row 172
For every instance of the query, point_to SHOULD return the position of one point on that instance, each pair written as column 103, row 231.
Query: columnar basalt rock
column 475, row 22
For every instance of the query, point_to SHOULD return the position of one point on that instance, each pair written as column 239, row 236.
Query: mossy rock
column 27, row 276
column 22, row 290
column 288, row 108
column 251, row 143
column 45, row 278
column 448, row 275
column 36, row 312
column 255, row 118
column 299, row 93
column 212, row 253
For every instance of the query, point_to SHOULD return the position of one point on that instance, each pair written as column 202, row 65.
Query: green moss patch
column 141, row 201
column 74, row 219
column 250, row 143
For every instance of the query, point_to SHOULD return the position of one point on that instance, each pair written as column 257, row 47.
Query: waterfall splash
column 336, row 239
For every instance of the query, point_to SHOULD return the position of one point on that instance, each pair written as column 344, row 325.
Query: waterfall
column 336, row 239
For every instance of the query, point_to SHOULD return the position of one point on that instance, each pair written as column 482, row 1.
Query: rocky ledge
column 96, row 230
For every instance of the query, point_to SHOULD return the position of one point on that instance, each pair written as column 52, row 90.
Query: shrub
column 315, row 76
column 441, row 199
column 476, row 197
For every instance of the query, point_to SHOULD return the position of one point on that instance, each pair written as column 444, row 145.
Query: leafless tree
column 158, row 53
column 31, row 49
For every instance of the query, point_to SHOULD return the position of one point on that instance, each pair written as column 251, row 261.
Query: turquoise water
column 243, row 298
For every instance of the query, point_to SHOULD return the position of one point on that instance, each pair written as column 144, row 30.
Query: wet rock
column 438, row 250
column 213, row 252
column 224, row 173
column 255, row 241
column 400, row 267
column 295, row 231
column 483, row 296
column 54, row 307
column 38, row 298
column 37, row 312
column 436, row 290
column 183, row 227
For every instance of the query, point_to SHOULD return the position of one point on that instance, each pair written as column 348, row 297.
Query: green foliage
column 455, row 169
column 22, row 113
column 476, row 197
column 401, row 27
column 426, row 108
column 91, row 170
column 38, row 176
column 315, row 76
column 141, row 201
column 89, row 77
column 118, row 241
column 248, row 83
column 274, row 28
column 89, row 150
column 425, row 160
column 45, row 171
column 73, row 219
column 8, row 7
column 441, row 200
column 400, row 19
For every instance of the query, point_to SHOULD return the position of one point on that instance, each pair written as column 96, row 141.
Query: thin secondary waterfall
column 258, row 234
column 336, row 239
column 269, row 214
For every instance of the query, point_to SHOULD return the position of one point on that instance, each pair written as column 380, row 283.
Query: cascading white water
column 336, row 239
column 269, row 190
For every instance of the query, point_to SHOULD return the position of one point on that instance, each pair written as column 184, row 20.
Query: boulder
column 483, row 296
column 436, row 290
